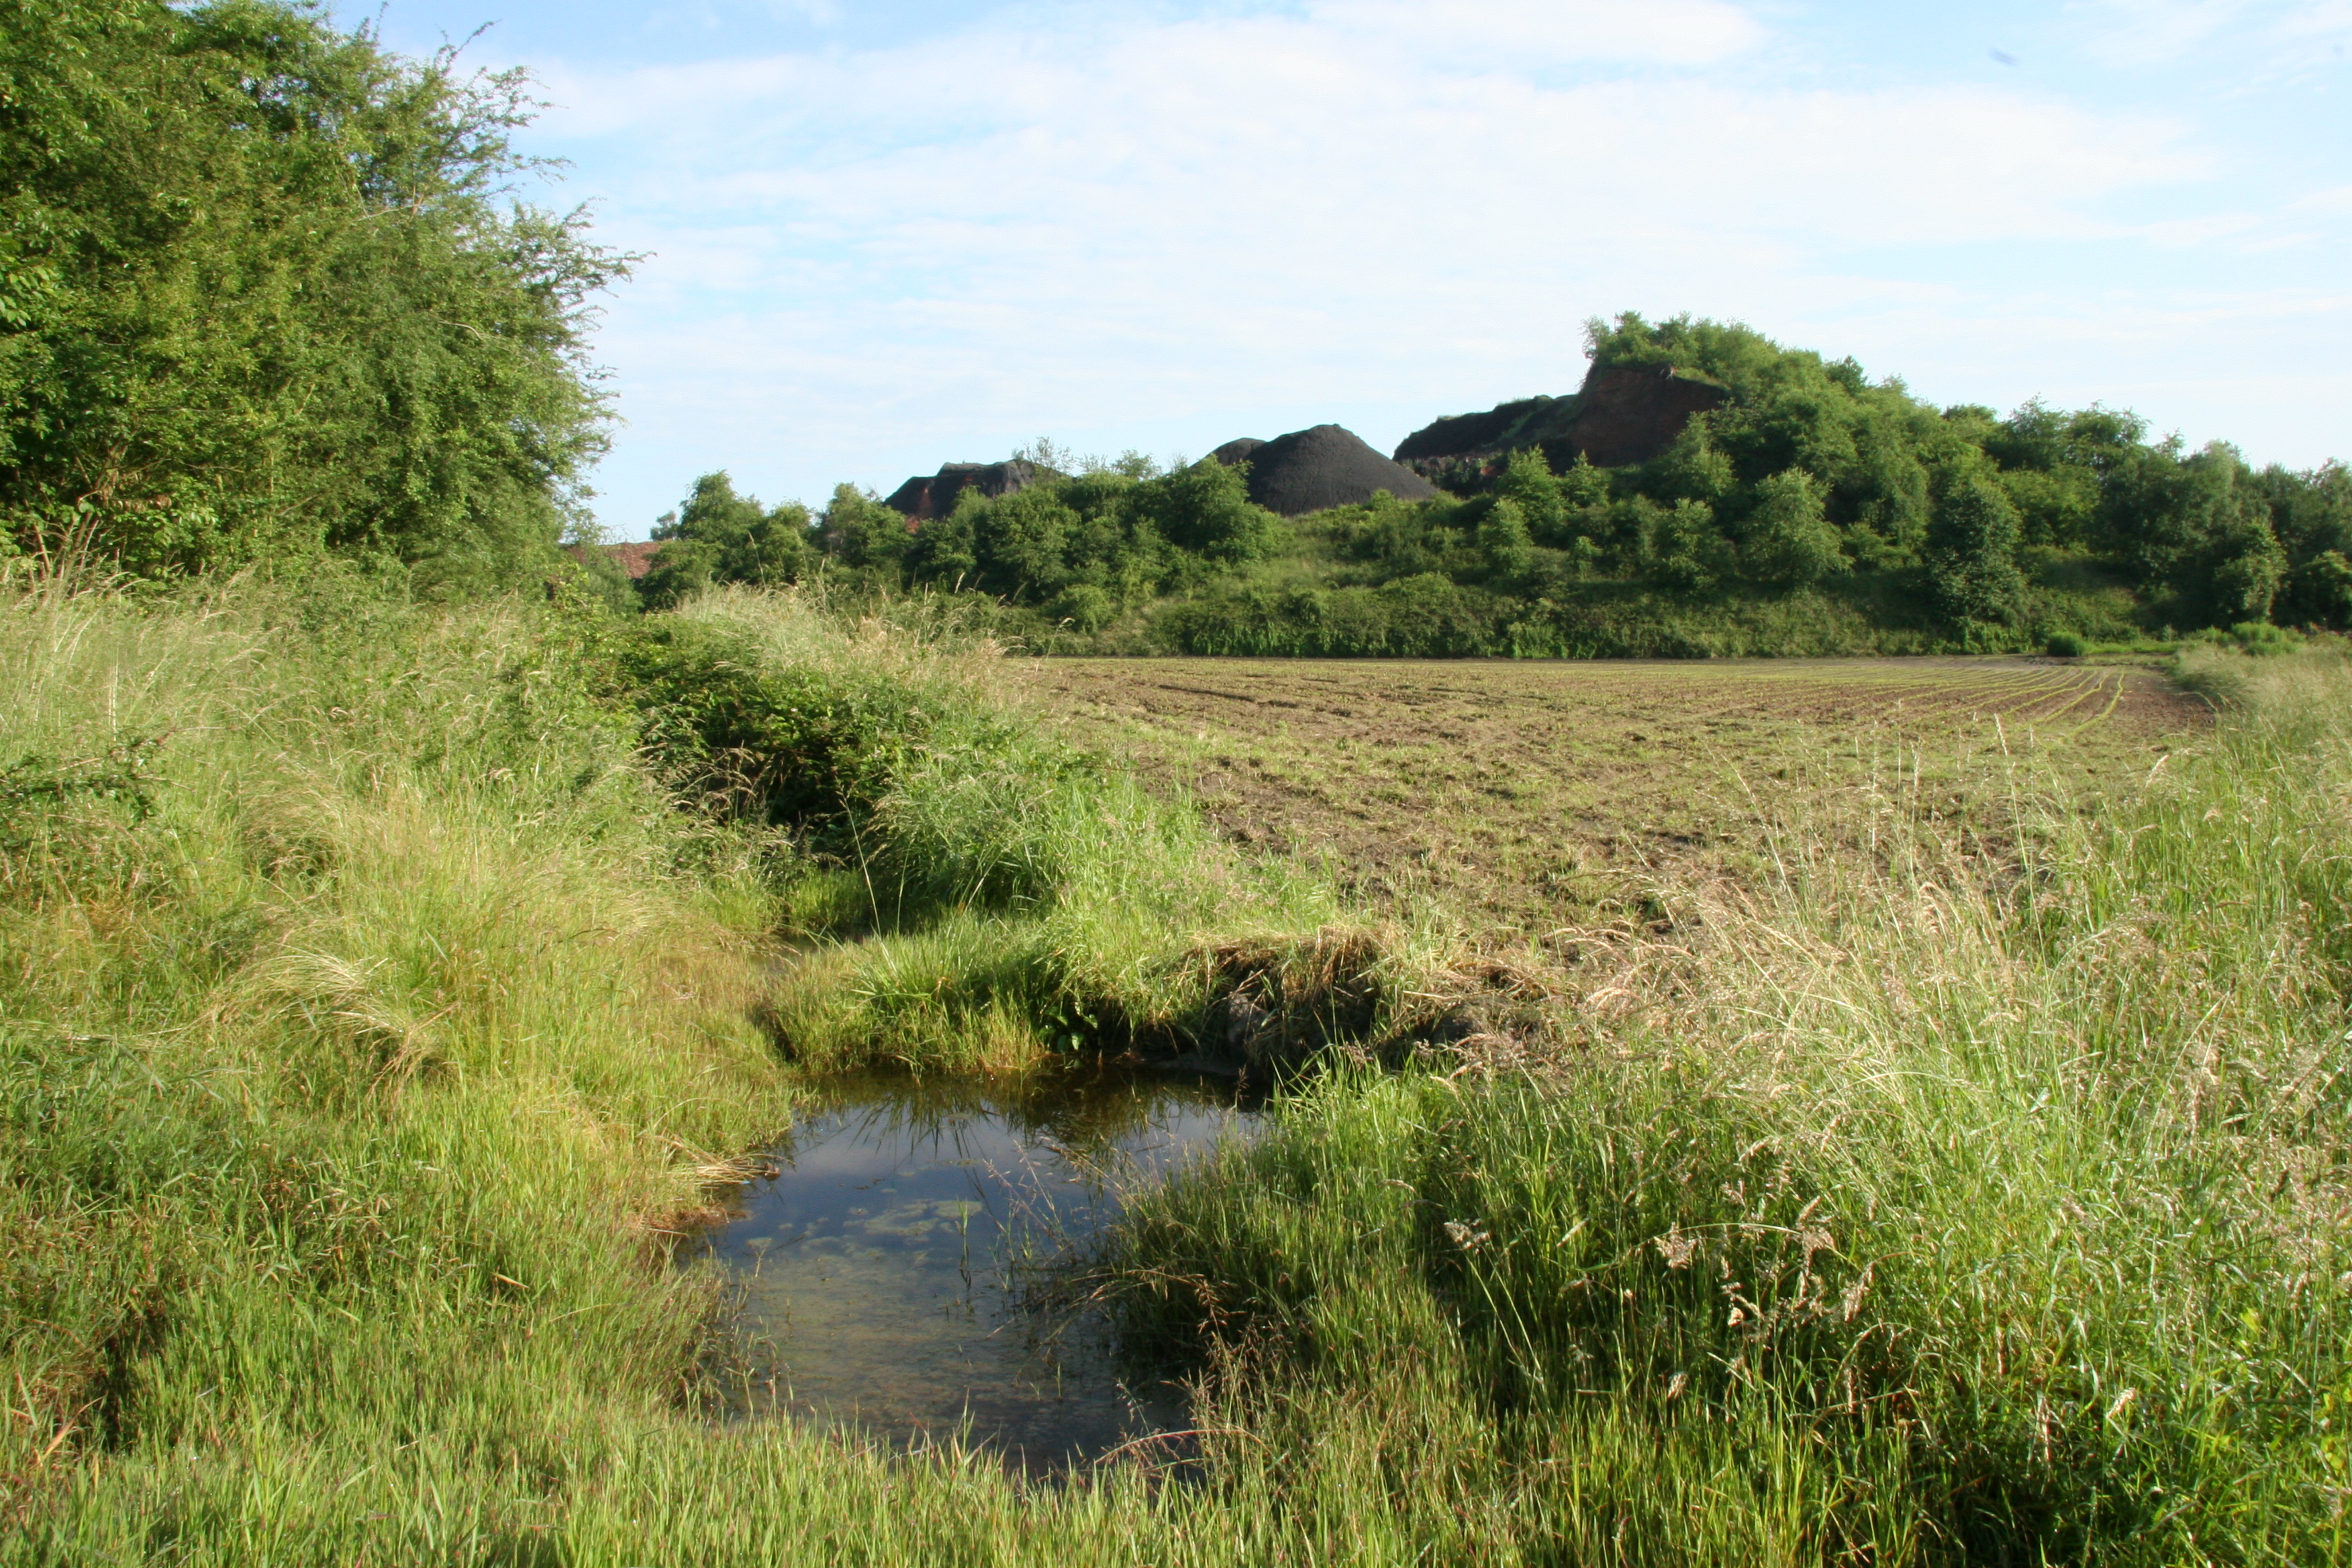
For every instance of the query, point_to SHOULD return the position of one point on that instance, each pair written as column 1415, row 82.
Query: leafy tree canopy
column 1078, row 547
column 1960, row 493
column 1812, row 484
column 720, row 536
column 264, row 291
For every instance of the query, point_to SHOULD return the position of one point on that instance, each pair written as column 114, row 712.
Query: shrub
column 1787, row 538
column 718, row 536
column 263, row 297
column 1972, row 544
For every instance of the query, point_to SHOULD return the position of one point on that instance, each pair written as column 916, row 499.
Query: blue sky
column 887, row 234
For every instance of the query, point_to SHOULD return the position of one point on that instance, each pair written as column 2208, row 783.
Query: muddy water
column 896, row 1271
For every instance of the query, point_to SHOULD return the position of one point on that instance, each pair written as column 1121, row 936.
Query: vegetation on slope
column 1944, row 1211
column 1816, row 511
column 384, row 989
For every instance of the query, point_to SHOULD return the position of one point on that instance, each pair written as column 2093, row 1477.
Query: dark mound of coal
column 1625, row 413
column 927, row 496
column 1525, row 423
column 1307, row 470
column 1239, row 451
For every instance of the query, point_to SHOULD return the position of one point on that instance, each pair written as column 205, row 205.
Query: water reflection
column 891, row 1268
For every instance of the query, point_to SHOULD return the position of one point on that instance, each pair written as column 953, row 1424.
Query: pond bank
column 899, row 1274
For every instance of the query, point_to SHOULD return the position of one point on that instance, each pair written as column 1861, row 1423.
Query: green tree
column 718, row 536
column 1787, row 537
column 2199, row 525
column 1025, row 547
column 2311, row 516
column 945, row 550
column 264, row 289
column 1692, row 469
column 1206, row 508
column 857, row 529
column 1683, row 548
column 2322, row 589
column 1972, row 540
column 1526, row 482
column 1503, row 537
column 1583, row 485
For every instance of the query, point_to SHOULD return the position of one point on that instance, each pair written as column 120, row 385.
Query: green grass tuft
column 383, row 987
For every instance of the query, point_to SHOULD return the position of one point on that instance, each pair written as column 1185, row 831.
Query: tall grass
column 371, row 1020
column 1956, row 1211
column 358, row 1026
column 371, row 1014
column 990, row 893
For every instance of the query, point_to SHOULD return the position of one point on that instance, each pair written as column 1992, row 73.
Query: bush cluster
column 1816, row 511
column 263, row 293
column 1075, row 550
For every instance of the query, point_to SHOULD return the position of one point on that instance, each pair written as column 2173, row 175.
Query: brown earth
column 1529, row 794
column 635, row 559
column 1625, row 413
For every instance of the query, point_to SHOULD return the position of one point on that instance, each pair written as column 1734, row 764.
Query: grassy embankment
column 370, row 1003
column 373, row 1014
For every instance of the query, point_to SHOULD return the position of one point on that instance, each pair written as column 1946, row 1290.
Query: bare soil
column 1525, row 795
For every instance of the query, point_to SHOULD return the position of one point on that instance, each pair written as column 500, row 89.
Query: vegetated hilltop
column 1709, row 491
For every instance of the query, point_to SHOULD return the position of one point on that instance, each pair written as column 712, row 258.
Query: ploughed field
column 1521, row 794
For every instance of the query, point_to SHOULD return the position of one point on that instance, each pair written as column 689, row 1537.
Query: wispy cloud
column 1361, row 208
column 1514, row 35
column 2145, row 32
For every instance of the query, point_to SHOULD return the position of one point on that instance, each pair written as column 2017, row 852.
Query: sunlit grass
column 372, row 1015
column 1990, row 1209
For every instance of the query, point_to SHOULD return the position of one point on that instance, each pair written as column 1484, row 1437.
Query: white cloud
column 1522, row 34
column 2149, row 32
column 868, row 262
column 2335, row 200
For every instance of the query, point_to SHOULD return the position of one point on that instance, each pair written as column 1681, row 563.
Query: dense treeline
column 1078, row 547
column 1816, row 511
column 1810, row 469
column 263, row 293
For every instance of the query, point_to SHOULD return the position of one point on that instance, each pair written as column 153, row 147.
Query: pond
column 894, row 1270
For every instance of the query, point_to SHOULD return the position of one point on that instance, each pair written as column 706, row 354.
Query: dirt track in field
column 1526, row 793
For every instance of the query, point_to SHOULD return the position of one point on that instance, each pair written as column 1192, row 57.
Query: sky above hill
column 880, row 234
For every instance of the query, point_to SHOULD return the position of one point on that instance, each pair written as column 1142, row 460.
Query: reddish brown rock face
column 1626, row 414
column 635, row 559
column 1630, row 413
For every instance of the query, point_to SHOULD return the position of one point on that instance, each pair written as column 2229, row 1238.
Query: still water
column 895, row 1269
